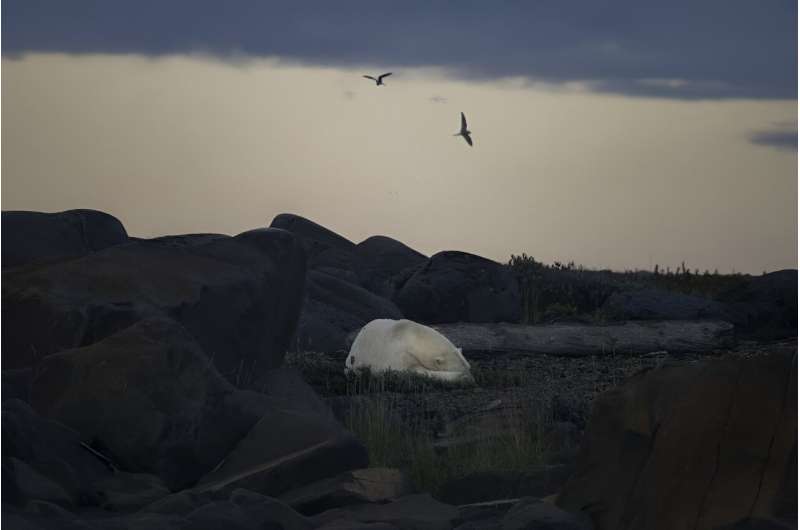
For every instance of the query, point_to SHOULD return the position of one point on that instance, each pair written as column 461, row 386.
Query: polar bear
column 404, row 345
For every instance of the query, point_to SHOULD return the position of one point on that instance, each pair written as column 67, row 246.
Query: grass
column 566, row 291
column 398, row 416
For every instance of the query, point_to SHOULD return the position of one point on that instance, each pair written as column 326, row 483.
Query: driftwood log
column 578, row 340
column 575, row 340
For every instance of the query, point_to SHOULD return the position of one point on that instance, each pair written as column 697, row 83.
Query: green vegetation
column 565, row 291
column 398, row 437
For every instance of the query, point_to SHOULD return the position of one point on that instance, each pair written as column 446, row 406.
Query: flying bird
column 379, row 81
column 464, row 132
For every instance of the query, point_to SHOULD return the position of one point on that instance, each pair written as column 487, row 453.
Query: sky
column 622, row 136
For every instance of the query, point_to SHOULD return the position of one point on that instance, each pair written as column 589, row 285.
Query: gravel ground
column 560, row 388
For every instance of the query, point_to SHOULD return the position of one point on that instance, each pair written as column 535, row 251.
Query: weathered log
column 576, row 340
column 580, row 340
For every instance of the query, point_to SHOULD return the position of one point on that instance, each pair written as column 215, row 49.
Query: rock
column 533, row 514
column 352, row 487
column 656, row 304
column 266, row 512
column 484, row 515
column 151, row 398
column 413, row 512
column 239, row 297
column 381, row 260
column 181, row 503
column 579, row 340
column 459, row 287
column 127, row 492
column 35, row 237
column 24, row 483
column 765, row 307
column 697, row 446
column 52, row 450
column 316, row 238
column 486, row 486
column 758, row 524
column 310, row 447
column 333, row 309
column 17, row 384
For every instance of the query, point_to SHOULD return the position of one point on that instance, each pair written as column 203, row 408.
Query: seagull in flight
column 379, row 81
column 464, row 132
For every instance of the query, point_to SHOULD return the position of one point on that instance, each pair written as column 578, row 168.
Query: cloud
column 782, row 136
column 680, row 49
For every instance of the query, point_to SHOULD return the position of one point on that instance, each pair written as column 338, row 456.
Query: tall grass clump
column 393, row 415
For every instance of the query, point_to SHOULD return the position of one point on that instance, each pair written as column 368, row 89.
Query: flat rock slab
column 413, row 512
column 352, row 487
column 699, row 446
column 575, row 340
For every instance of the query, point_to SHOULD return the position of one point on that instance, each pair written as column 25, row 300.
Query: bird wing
column 468, row 138
column 369, row 77
column 463, row 123
column 385, row 75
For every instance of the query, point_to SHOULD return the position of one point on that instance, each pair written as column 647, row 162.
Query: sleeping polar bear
column 403, row 345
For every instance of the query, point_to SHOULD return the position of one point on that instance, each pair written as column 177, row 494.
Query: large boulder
column 413, row 512
column 150, row 399
column 333, row 309
column 459, row 287
column 288, row 448
column 699, row 446
column 657, row 304
column 39, row 451
column 239, row 297
column 316, row 238
column 31, row 237
column 382, row 259
column 765, row 307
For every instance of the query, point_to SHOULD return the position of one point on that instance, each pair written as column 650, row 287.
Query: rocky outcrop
column 459, row 287
column 333, row 309
column 699, row 446
column 36, row 237
column 382, row 259
column 765, row 307
column 150, row 399
column 309, row 448
column 239, row 297
column 656, row 304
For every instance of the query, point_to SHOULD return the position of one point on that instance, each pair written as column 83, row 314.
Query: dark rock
column 127, row 492
column 17, row 384
column 52, row 450
column 267, row 512
column 696, row 446
column 181, row 503
column 656, row 304
column 240, row 298
column 413, row 512
column 533, row 514
column 382, row 259
column 25, row 483
column 493, row 485
column 459, row 287
column 335, row 308
column 316, row 238
column 758, row 524
column 484, row 515
column 352, row 487
column 285, row 450
column 31, row 237
column 151, row 398
column 765, row 307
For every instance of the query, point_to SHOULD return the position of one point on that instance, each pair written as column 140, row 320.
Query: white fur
column 403, row 345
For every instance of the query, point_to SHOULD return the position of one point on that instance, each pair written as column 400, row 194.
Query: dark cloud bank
column 716, row 48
